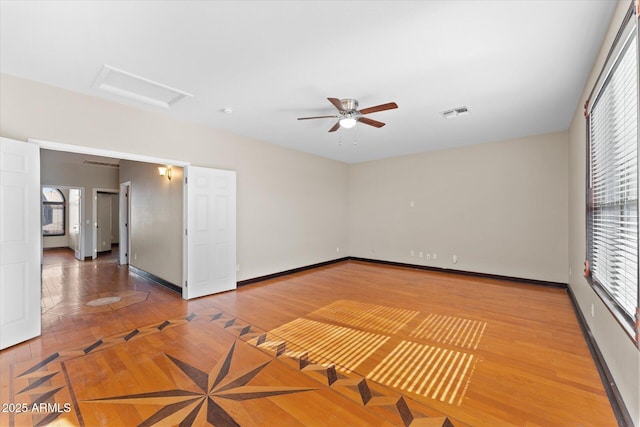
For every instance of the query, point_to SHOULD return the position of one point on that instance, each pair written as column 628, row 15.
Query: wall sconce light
column 165, row 171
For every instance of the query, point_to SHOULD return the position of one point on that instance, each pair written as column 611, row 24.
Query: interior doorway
column 106, row 220
column 211, row 212
column 75, row 222
column 125, row 217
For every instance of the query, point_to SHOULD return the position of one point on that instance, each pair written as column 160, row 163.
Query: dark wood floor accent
column 349, row 343
column 464, row 273
column 291, row 271
column 159, row 280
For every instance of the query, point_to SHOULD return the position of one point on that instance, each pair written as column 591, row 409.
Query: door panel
column 75, row 220
column 20, row 242
column 211, row 231
column 123, row 229
column 104, row 222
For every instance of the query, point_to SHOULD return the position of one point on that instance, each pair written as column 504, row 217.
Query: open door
column 20, row 242
column 124, row 211
column 104, row 222
column 210, row 236
column 75, row 222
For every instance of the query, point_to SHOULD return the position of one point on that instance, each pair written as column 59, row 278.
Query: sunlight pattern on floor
column 380, row 318
column 326, row 343
column 432, row 372
column 450, row 330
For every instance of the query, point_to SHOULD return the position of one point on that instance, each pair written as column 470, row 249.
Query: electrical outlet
column 421, row 254
column 428, row 256
column 593, row 314
column 412, row 253
column 435, row 255
column 454, row 258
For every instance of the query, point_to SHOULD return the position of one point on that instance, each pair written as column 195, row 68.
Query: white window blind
column 613, row 179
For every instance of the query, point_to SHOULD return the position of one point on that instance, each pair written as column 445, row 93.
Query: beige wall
column 156, row 223
column 499, row 207
column 292, row 206
column 620, row 353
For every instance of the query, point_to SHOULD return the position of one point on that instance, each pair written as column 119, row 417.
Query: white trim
column 56, row 146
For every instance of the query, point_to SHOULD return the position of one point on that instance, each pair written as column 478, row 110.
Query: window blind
column 613, row 180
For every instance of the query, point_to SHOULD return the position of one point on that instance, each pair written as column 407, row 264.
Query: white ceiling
column 519, row 66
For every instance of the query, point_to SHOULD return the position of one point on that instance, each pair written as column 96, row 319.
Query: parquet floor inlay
column 208, row 368
column 352, row 343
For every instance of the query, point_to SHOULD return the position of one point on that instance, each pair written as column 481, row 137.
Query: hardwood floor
column 351, row 344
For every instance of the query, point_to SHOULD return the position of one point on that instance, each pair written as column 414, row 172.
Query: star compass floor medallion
column 184, row 406
column 199, row 374
column 195, row 378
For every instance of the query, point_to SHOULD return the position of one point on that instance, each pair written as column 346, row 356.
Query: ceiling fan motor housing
column 349, row 104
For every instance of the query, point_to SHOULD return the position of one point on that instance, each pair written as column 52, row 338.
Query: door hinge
column 185, row 283
column 186, row 181
column 185, row 232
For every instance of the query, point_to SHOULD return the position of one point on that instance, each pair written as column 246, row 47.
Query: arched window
column 53, row 212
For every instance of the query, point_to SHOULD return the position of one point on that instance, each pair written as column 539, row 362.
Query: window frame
column 61, row 204
column 628, row 29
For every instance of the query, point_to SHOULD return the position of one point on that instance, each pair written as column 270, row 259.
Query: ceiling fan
column 349, row 115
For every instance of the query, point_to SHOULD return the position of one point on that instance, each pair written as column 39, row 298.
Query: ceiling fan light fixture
column 348, row 113
column 347, row 122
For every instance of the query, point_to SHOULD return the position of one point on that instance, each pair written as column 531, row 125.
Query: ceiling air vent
column 94, row 163
column 454, row 112
column 130, row 86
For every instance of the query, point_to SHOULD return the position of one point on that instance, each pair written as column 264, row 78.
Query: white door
column 20, row 242
column 210, row 237
column 75, row 220
column 123, row 206
column 104, row 222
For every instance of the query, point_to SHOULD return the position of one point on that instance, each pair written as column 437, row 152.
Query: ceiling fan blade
column 316, row 117
column 381, row 107
column 335, row 127
column 337, row 103
column 370, row 122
